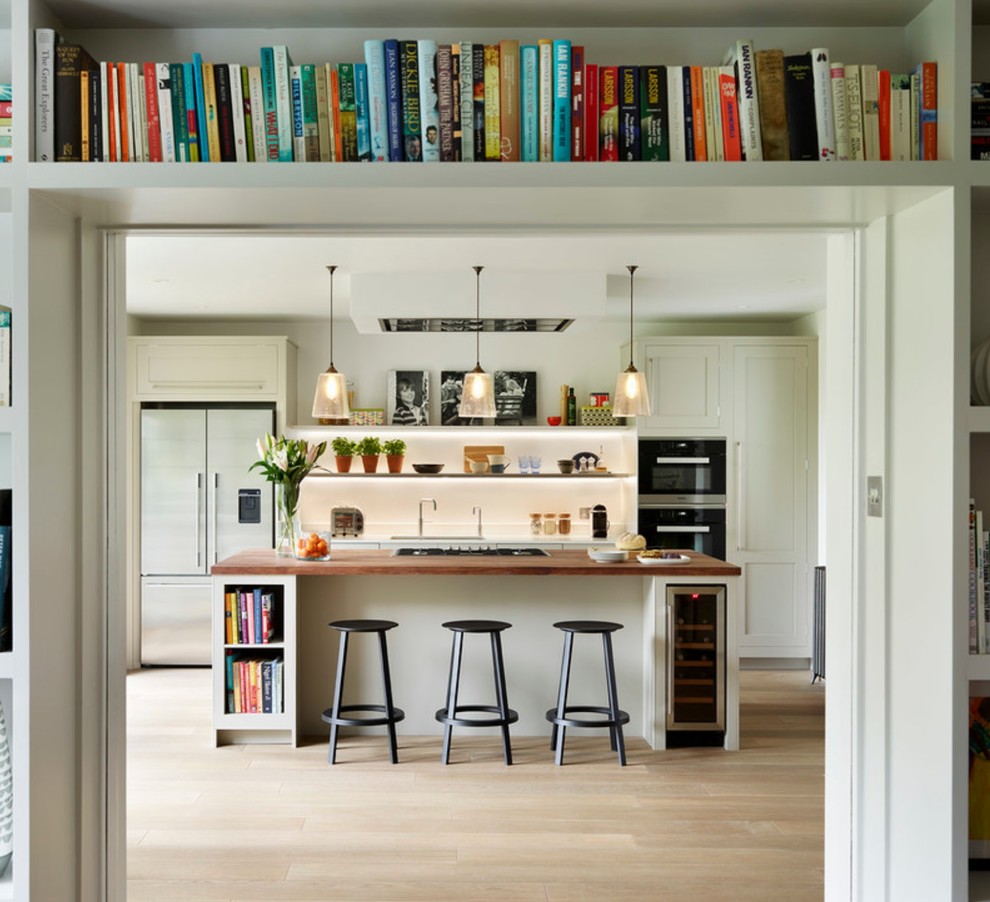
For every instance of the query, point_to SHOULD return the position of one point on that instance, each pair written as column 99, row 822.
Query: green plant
column 286, row 460
column 394, row 446
column 369, row 445
column 343, row 446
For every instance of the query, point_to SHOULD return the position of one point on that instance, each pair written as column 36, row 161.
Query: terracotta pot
column 370, row 462
column 344, row 463
column 394, row 462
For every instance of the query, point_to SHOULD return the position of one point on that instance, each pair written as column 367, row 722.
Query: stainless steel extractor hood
column 487, row 324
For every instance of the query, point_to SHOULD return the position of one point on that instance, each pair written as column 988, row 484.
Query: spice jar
column 536, row 524
column 564, row 524
column 549, row 524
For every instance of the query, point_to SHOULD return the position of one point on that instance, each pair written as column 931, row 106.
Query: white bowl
column 607, row 555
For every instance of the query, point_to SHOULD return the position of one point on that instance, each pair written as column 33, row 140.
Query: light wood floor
column 273, row 823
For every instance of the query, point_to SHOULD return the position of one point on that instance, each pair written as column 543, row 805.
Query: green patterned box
column 598, row 416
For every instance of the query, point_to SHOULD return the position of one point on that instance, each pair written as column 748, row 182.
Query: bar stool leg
column 453, row 682
column 557, row 733
column 338, row 696
column 618, row 744
column 389, row 712
column 501, row 695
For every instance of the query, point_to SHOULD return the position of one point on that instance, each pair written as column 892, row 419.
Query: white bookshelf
column 58, row 210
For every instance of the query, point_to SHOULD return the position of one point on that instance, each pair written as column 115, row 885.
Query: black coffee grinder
column 599, row 522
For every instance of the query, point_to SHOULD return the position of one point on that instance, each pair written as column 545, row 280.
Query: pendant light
column 631, row 397
column 330, row 405
column 478, row 393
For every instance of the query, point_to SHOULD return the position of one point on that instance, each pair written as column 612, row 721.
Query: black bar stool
column 451, row 715
column 390, row 714
column 560, row 716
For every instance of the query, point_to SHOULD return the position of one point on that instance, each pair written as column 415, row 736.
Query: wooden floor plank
column 250, row 823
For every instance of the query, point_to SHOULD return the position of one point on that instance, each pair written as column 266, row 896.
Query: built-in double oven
column 682, row 494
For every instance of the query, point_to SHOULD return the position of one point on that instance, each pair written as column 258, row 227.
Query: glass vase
column 286, row 518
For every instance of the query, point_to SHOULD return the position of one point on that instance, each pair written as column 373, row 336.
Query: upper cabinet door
column 683, row 378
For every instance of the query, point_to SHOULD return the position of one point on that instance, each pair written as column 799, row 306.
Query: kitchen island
column 420, row 593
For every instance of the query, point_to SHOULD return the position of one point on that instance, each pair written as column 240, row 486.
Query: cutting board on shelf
column 480, row 452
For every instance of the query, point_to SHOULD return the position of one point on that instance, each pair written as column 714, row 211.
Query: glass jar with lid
column 549, row 524
column 564, row 524
column 536, row 524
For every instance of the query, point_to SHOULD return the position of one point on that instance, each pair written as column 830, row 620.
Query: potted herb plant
column 344, row 449
column 369, row 448
column 395, row 453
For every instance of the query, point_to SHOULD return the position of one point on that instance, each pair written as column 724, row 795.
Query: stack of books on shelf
column 424, row 101
column 6, row 123
column 979, row 583
column 249, row 617
column 254, row 685
column 980, row 121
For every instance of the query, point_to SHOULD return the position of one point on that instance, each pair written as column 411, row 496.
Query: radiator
column 818, row 636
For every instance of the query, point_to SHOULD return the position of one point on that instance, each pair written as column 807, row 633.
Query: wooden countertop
column 358, row 562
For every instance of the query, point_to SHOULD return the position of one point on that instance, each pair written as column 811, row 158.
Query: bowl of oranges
column 313, row 546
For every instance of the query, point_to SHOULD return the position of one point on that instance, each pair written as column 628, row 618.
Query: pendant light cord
column 331, row 269
column 632, row 269
column 477, row 315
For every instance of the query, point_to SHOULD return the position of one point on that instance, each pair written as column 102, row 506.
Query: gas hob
column 469, row 551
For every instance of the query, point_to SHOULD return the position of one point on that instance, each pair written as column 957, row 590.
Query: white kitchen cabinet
column 769, row 522
column 683, row 379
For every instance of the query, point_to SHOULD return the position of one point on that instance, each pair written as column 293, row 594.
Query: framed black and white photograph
column 451, row 387
column 515, row 398
column 407, row 401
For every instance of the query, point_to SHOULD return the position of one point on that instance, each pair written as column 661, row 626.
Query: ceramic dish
column 427, row 468
column 607, row 555
column 653, row 561
column 592, row 460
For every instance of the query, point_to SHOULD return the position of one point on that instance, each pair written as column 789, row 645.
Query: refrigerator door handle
column 199, row 508
column 216, row 495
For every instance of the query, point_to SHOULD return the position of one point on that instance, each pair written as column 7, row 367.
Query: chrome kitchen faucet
column 423, row 501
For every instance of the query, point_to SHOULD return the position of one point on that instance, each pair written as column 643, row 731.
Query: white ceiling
column 726, row 275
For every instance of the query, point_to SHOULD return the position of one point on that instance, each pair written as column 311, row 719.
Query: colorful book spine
column 871, row 111
column 493, row 116
column 821, row 70
column 123, row 113
column 883, row 111
column 698, row 113
column 508, row 101
column 653, row 118
column 740, row 57
column 466, row 94
column 455, row 112
column 591, row 107
column 310, row 113
column 854, row 111
column 212, row 113
column 561, row 100
column 929, row 111
column 445, row 101
column 773, row 104
column 428, row 101
column 529, row 105
column 799, row 95
column 348, row 112
column 608, row 114
column 295, row 87
column 256, row 93
column 544, row 48
column 393, row 100
column 283, row 102
column 837, row 82
column 577, row 103
column 178, row 97
column 247, row 108
column 192, row 113
column 198, row 86
column 361, row 113
column 731, row 138
column 225, row 113
column 630, row 148
column 113, row 122
column 333, row 102
column 228, row 661
column 478, row 100
column 271, row 104
column 411, row 120
column 374, row 59
column 154, row 127
column 237, row 112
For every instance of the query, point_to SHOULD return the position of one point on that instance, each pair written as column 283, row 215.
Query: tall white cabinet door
column 768, row 510
column 683, row 379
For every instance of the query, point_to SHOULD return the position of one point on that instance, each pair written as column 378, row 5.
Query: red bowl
column 553, row 421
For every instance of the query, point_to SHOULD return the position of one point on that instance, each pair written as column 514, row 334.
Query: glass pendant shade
column 478, row 391
column 330, row 400
column 330, row 405
column 631, row 398
column 478, row 395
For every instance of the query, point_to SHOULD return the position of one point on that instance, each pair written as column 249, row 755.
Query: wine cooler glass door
column 696, row 663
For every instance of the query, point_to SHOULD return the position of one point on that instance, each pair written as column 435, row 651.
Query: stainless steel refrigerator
column 199, row 504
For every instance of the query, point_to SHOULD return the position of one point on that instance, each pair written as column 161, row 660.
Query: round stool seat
column 477, row 626
column 362, row 626
column 588, row 626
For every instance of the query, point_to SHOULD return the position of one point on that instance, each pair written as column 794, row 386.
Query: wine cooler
column 695, row 665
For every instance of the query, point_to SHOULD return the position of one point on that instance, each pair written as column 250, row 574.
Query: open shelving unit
column 68, row 624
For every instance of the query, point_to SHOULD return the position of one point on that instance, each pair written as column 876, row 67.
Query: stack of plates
column 980, row 371
column 607, row 555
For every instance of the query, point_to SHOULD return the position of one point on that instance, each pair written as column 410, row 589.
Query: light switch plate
column 874, row 496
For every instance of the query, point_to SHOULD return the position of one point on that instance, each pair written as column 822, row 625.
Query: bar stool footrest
column 458, row 721
column 397, row 715
column 623, row 717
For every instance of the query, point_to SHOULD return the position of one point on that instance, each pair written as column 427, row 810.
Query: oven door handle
column 684, row 529
column 701, row 461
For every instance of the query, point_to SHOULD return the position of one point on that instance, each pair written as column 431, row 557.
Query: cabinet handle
column 199, row 510
column 216, row 492
column 700, row 461
column 684, row 529
column 740, row 517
